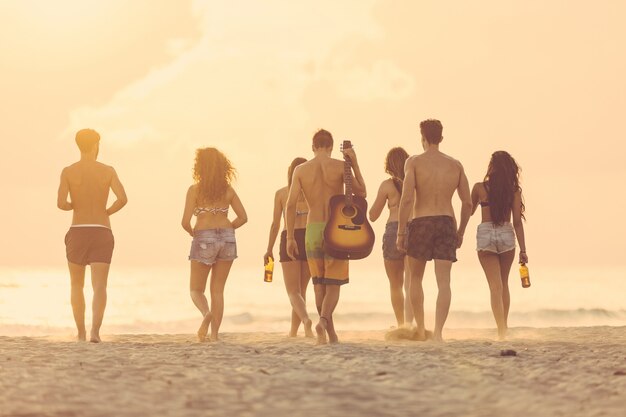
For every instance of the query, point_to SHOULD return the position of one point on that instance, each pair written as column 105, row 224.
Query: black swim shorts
column 432, row 237
column 298, row 235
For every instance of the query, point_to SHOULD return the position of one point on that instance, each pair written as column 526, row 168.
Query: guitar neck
column 347, row 179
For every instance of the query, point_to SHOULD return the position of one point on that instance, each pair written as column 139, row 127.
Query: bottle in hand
column 523, row 274
column 269, row 270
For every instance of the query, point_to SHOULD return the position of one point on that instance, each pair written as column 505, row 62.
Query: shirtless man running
column 431, row 179
column 320, row 178
column 89, row 240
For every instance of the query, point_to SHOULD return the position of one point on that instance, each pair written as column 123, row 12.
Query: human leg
column 305, row 277
column 417, row 267
column 442, row 273
column 395, row 274
column 197, row 287
column 328, row 307
column 291, row 274
column 99, row 278
column 218, row 281
column 506, row 261
column 490, row 263
column 77, row 282
column 408, row 308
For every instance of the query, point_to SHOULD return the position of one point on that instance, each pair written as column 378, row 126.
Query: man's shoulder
column 104, row 166
column 411, row 160
column 451, row 160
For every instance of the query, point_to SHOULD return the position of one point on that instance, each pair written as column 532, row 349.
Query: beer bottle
column 523, row 274
column 269, row 270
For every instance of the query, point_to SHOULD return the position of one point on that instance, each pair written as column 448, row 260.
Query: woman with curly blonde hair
column 213, row 248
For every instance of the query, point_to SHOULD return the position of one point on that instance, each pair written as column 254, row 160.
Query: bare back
column 387, row 194
column 89, row 183
column 436, row 177
column 302, row 208
column 320, row 179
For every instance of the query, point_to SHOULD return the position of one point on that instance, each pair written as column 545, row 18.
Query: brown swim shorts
column 89, row 244
column 432, row 237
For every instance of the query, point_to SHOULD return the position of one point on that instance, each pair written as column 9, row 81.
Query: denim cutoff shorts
column 497, row 239
column 390, row 250
column 211, row 245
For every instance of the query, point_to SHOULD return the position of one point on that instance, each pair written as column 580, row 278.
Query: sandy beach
column 556, row 371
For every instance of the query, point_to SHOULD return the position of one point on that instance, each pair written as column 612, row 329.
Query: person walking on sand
column 89, row 240
column 396, row 265
column 500, row 198
column 213, row 248
column 430, row 180
column 295, row 271
column 319, row 179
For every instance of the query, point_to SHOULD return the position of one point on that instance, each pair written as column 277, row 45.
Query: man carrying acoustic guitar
column 320, row 179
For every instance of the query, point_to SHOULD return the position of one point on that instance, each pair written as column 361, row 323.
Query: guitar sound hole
column 348, row 211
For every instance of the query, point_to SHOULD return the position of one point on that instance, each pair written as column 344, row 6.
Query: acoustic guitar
column 348, row 234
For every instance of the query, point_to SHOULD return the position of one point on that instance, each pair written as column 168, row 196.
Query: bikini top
column 212, row 210
column 485, row 203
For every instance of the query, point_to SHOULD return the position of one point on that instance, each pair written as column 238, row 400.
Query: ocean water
column 37, row 302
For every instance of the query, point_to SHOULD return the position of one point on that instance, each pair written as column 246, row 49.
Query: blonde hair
column 213, row 173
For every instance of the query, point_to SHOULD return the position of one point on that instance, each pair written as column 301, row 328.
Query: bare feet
column 95, row 338
column 437, row 337
column 213, row 338
column 333, row 339
column 82, row 336
column 502, row 334
column 308, row 328
column 204, row 327
column 332, row 335
column 321, row 331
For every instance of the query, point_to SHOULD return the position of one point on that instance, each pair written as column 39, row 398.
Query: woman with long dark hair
column 500, row 199
column 214, row 247
column 397, row 270
column 295, row 271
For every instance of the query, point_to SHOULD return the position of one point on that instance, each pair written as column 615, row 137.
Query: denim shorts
column 390, row 250
column 211, row 245
column 496, row 239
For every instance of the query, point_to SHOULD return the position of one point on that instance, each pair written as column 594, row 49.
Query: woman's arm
column 190, row 205
column 278, row 210
column 475, row 197
column 379, row 203
column 240, row 212
column 519, row 226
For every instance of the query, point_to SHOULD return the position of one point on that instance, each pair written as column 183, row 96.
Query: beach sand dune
column 551, row 372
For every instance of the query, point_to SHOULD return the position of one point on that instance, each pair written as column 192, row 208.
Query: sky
column 159, row 79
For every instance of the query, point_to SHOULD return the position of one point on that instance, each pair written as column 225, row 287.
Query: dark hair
column 502, row 182
column 431, row 130
column 394, row 166
column 322, row 139
column 297, row 161
column 87, row 139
